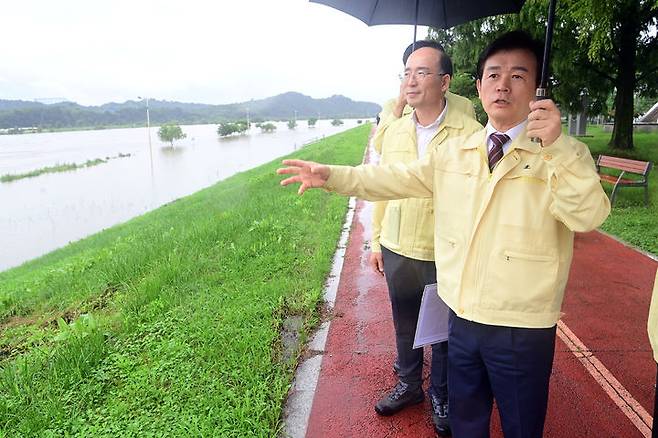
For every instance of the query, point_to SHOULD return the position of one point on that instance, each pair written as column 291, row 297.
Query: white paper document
column 432, row 326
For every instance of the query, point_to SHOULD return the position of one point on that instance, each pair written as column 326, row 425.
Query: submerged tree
column 267, row 127
column 169, row 132
column 228, row 128
column 312, row 121
column 336, row 122
column 292, row 124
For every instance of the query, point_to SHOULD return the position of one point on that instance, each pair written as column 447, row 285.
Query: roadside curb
column 297, row 410
column 629, row 245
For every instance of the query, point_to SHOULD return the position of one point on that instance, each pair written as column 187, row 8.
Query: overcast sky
column 209, row 51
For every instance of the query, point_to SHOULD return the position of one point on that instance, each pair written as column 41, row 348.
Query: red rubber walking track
column 606, row 306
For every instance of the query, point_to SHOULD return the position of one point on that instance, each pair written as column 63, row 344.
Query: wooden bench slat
column 605, row 158
column 636, row 167
column 613, row 179
column 624, row 164
column 633, row 169
column 626, row 168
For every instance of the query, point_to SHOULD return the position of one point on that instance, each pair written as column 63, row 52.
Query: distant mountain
column 9, row 105
column 285, row 105
column 24, row 114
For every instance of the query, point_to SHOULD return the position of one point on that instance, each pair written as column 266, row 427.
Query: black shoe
column 396, row 366
column 440, row 415
column 399, row 398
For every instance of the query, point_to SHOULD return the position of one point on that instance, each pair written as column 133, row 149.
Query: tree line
column 604, row 61
column 24, row 114
column 225, row 129
column 170, row 132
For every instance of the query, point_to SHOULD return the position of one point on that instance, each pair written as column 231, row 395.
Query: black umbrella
column 436, row 13
column 440, row 14
column 547, row 49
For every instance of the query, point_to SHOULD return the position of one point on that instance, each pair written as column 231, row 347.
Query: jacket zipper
column 509, row 255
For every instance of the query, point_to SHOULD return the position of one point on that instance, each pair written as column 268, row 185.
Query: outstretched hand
column 544, row 121
column 308, row 173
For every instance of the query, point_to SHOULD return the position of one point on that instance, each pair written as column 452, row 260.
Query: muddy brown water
column 40, row 214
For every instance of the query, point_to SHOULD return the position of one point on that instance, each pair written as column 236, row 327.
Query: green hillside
column 22, row 114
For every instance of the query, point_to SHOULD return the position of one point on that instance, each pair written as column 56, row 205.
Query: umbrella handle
column 542, row 91
column 540, row 94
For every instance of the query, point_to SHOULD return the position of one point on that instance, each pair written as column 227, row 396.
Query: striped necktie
column 496, row 153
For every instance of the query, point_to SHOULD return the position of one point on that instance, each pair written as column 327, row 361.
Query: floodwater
column 40, row 214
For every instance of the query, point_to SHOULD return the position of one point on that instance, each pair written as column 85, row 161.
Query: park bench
column 625, row 165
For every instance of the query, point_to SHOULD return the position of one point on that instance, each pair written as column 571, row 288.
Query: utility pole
column 148, row 129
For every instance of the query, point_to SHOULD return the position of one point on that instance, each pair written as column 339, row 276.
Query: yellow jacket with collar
column 406, row 226
column 503, row 240
column 386, row 116
column 652, row 324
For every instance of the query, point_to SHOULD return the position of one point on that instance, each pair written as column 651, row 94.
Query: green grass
column 57, row 168
column 169, row 324
column 630, row 220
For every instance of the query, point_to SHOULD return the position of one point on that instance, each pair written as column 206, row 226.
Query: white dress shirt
column 425, row 134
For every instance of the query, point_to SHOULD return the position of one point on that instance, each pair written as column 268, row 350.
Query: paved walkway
column 603, row 375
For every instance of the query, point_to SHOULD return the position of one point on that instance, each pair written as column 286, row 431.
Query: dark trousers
column 654, row 428
column 406, row 278
column 512, row 365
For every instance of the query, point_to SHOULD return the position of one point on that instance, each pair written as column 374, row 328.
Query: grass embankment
column 169, row 324
column 630, row 220
column 58, row 168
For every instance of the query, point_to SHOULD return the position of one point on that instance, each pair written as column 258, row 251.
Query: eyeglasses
column 419, row 75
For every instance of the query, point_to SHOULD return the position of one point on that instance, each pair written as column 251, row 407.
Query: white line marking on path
column 615, row 390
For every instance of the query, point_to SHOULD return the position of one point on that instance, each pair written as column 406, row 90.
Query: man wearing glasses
column 397, row 107
column 403, row 230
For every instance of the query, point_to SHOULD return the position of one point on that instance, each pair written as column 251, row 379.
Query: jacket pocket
column 391, row 227
column 524, row 203
column 455, row 190
column 509, row 255
column 425, row 228
column 448, row 262
column 521, row 280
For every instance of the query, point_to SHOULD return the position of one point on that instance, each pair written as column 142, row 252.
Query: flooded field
column 46, row 212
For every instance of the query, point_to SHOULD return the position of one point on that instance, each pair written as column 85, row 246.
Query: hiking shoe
column 399, row 398
column 440, row 415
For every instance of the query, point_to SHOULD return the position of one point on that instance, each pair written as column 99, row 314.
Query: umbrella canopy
column 441, row 14
column 435, row 13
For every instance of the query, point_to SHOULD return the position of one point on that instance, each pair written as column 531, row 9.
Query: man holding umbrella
column 506, row 209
